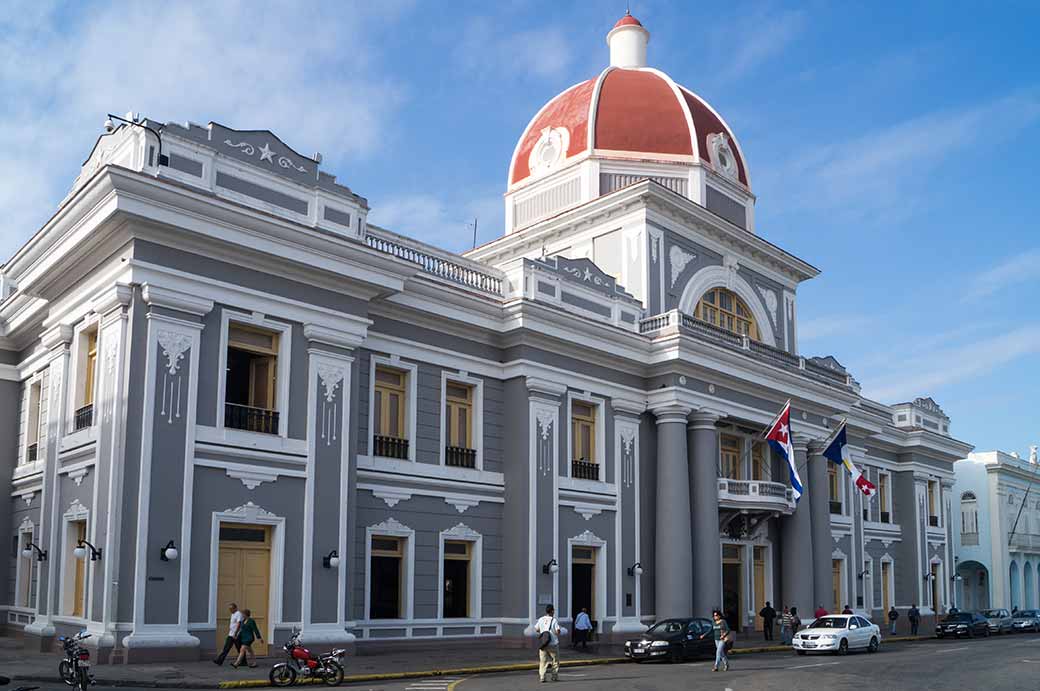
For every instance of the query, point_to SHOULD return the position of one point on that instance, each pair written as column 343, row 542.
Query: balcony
column 755, row 495
column 459, row 457
column 390, row 447
column 1024, row 541
column 250, row 419
column 436, row 262
column 970, row 539
column 32, row 453
column 703, row 331
column 933, row 521
column 83, row 417
column 583, row 470
column 835, row 508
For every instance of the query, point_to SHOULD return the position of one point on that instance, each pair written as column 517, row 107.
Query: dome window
column 722, row 157
column 550, row 150
column 722, row 308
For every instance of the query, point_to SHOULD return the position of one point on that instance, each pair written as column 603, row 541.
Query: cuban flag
column 838, row 451
column 779, row 437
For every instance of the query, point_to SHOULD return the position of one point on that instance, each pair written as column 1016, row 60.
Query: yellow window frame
column 383, row 391
column 583, row 427
column 457, row 407
column 738, row 318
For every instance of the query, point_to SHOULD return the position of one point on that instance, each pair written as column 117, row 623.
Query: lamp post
column 110, row 126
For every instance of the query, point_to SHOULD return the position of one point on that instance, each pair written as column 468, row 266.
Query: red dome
column 633, row 111
column 628, row 20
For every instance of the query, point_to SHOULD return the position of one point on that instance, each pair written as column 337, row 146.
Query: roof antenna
column 474, row 232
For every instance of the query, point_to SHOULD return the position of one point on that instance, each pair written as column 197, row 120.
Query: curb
column 119, row 683
column 489, row 669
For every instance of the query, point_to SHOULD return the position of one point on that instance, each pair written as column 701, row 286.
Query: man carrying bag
column 548, row 630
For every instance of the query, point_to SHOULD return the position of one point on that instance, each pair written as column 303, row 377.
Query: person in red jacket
column 821, row 611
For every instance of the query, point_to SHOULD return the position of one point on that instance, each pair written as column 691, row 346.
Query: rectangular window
column 86, row 378
column 883, row 498
column 584, row 464
column 389, row 413
column 759, row 470
column 729, row 452
column 250, row 392
column 458, row 415
column 457, row 559
column 385, row 577
column 834, row 489
column 33, row 423
column 933, row 499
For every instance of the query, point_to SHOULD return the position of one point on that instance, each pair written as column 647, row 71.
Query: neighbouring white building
column 998, row 542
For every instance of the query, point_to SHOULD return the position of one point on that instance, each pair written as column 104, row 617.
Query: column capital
column 800, row 442
column 704, row 419
column 545, row 386
column 114, row 297
column 671, row 413
column 337, row 338
column 176, row 300
column 816, row 447
column 628, row 407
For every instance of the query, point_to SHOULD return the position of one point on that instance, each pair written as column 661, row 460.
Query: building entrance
column 732, row 585
column 583, row 581
column 243, row 577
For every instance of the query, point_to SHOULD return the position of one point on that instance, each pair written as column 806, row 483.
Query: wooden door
column 885, row 595
column 836, row 584
column 760, row 585
column 243, row 577
column 81, row 568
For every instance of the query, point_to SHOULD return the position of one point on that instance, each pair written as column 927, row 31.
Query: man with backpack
column 548, row 630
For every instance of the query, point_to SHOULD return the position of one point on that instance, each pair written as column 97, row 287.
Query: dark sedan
column 968, row 624
column 674, row 640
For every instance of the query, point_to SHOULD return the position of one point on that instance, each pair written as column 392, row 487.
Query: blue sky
column 890, row 144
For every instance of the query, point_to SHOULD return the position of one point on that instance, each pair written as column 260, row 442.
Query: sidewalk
column 433, row 661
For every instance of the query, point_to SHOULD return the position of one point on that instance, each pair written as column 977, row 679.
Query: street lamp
column 81, row 551
column 635, row 570
column 551, row 566
column 331, row 560
column 41, row 554
column 169, row 552
column 110, row 127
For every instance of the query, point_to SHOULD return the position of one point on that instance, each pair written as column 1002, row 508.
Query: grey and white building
column 353, row 432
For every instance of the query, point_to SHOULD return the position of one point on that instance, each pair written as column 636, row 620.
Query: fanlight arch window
column 969, row 513
column 725, row 309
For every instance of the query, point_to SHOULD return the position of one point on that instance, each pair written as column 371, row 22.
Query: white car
column 838, row 633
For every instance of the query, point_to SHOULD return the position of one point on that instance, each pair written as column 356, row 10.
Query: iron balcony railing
column 460, row 457
column 250, row 419
column 83, row 417
column 835, row 508
column 584, row 470
column 933, row 521
column 390, row 447
column 32, row 453
column 738, row 342
column 436, row 262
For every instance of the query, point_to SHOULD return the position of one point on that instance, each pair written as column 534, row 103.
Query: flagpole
column 834, row 434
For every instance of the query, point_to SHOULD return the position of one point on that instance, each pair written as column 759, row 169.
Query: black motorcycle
column 74, row 670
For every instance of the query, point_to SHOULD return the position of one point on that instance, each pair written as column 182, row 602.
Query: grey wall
column 516, row 468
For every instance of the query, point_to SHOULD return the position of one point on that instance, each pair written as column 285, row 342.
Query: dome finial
column 627, row 41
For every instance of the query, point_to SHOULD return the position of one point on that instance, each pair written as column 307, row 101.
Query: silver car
column 1026, row 620
column 999, row 620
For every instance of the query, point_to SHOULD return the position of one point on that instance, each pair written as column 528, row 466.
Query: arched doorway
column 1028, row 597
column 1016, row 592
column 973, row 587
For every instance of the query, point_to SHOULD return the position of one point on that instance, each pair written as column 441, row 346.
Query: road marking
column 572, row 674
column 949, row 650
column 818, row 664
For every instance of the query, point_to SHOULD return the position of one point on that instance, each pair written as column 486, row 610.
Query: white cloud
column 245, row 64
column 925, row 372
column 486, row 50
column 1016, row 270
column 445, row 223
column 752, row 39
column 884, row 171
column 819, row 328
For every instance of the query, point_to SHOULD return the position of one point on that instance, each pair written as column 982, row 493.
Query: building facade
column 221, row 377
column 998, row 532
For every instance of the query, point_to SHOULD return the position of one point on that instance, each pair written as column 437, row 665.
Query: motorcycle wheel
column 83, row 680
column 282, row 675
column 333, row 673
column 67, row 674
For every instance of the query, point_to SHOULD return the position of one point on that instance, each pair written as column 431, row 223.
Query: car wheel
column 874, row 644
column 843, row 647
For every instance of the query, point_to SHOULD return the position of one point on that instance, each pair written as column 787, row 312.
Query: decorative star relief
column 266, row 154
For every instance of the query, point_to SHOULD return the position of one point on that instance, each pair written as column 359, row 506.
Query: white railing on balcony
column 719, row 336
column 1025, row 541
column 755, row 494
column 436, row 262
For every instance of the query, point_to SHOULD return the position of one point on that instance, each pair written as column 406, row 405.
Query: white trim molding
column 727, row 276
column 391, row 527
column 463, row 533
column 411, row 405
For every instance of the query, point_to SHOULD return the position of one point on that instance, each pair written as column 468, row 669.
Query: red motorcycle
column 302, row 663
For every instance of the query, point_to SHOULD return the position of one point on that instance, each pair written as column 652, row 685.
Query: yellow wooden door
column 81, row 566
column 836, row 584
column 760, row 586
column 885, row 602
column 243, row 577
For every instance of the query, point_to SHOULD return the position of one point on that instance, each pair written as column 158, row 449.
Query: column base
column 161, row 645
column 327, row 634
column 38, row 636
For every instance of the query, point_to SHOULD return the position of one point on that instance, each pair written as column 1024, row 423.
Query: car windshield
column 666, row 627
column 830, row 623
column 1027, row 613
column 958, row 617
column 991, row 613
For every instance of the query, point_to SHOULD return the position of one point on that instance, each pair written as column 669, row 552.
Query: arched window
column 969, row 513
column 724, row 309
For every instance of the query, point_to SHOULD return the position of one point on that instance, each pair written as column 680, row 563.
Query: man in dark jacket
column 893, row 615
column 768, row 615
column 914, row 615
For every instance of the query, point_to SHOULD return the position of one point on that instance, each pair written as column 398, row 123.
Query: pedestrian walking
column 582, row 629
column 246, row 635
column 847, row 610
column 234, row 627
column 821, row 611
column 785, row 626
column 768, row 615
column 548, row 630
column 721, row 631
column 914, row 615
column 893, row 615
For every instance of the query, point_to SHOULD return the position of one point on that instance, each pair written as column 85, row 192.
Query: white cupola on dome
column 627, row 41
